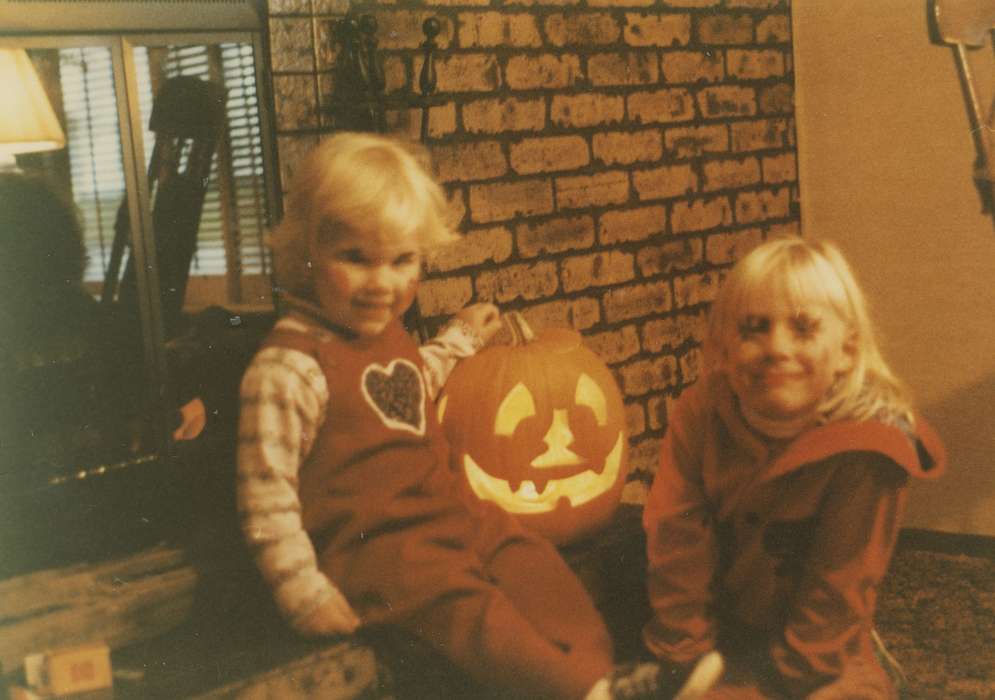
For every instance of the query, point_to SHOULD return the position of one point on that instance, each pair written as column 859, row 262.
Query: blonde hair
column 361, row 183
column 812, row 272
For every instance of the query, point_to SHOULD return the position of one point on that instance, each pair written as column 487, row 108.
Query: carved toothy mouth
column 578, row 489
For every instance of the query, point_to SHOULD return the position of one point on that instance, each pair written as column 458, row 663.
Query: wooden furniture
column 188, row 118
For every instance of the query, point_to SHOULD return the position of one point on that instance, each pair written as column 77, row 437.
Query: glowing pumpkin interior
column 538, row 427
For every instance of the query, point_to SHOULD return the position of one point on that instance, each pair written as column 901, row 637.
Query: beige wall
column 885, row 163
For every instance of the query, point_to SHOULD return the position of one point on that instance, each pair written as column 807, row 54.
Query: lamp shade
column 27, row 121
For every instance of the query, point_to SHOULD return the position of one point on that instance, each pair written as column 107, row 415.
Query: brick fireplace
column 606, row 161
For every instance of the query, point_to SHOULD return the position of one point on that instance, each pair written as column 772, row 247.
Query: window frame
column 122, row 45
column 231, row 256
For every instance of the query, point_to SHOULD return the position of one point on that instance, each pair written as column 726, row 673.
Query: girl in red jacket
column 782, row 485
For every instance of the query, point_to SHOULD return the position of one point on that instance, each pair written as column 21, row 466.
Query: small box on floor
column 68, row 671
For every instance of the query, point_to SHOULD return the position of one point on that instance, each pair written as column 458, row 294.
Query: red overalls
column 394, row 532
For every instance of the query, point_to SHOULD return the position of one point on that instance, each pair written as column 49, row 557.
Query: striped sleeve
column 456, row 340
column 283, row 399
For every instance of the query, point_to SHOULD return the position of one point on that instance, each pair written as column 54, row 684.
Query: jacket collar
column 920, row 454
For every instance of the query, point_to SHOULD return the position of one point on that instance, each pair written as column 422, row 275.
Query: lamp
column 28, row 122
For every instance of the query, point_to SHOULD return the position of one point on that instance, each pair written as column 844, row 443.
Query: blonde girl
column 782, row 484
column 345, row 491
column 362, row 183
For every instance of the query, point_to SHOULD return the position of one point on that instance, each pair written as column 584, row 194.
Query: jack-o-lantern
column 538, row 427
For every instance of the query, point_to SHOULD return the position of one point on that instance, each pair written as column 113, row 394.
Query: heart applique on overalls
column 396, row 393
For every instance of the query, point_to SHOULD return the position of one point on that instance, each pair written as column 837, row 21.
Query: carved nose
column 558, row 440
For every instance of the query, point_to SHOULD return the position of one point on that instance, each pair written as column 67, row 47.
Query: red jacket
column 780, row 541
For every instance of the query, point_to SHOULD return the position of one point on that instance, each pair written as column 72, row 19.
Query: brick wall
column 606, row 159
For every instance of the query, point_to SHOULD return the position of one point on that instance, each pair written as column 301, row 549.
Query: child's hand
column 484, row 319
column 193, row 418
column 334, row 616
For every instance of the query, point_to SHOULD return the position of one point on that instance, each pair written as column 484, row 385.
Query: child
column 344, row 483
column 781, row 487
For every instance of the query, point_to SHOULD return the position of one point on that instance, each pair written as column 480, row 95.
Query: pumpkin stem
column 520, row 330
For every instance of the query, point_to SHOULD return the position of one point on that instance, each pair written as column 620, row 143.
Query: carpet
column 936, row 615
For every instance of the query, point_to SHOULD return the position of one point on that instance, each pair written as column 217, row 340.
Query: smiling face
column 530, row 491
column 784, row 356
column 364, row 281
column 539, row 429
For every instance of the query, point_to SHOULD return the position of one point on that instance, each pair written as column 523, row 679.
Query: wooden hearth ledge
column 196, row 629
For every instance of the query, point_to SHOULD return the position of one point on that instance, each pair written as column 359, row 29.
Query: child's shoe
column 651, row 681
column 889, row 662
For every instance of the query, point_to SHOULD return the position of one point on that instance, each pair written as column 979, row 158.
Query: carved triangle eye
column 589, row 394
column 516, row 406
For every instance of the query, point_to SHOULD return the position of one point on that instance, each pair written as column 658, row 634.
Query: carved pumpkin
column 538, row 427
